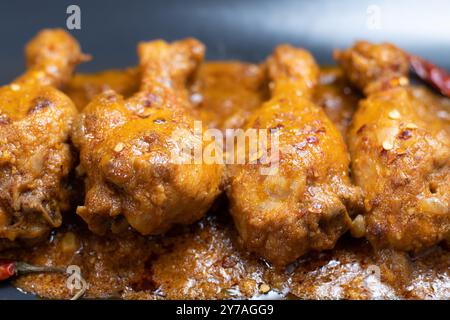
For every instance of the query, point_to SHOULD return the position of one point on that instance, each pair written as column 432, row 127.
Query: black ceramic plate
column 231, row 29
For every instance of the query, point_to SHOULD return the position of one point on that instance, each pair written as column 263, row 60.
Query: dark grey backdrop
column 231, row 29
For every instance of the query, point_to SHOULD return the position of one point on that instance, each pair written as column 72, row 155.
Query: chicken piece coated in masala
column 35, row 155
column 129, row 149
column 305, row 204
column 400, row 149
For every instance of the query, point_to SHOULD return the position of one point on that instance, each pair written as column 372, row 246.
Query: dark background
column 231, row 29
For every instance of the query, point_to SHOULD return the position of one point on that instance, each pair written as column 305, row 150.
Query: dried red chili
column 9, row 268
column 434, row 75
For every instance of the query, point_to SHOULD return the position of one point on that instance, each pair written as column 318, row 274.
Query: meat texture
column 307, row 203
column 35, row 155
column 400, row 147
column 135, row 152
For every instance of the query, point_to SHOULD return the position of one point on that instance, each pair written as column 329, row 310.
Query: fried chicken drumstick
column 35, row 122
column 306, row 204
column 127, row 146
column 400, row 152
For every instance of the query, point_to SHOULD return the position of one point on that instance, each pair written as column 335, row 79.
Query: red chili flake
column 375, row 202
column 389, row 156
column 405, row 134
column 361, row 129
column 149, row 100
column 434, row 75
column 392, row 157
column 320, row 130
column 312, row 139
column 229, row 262
column 38, row 104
